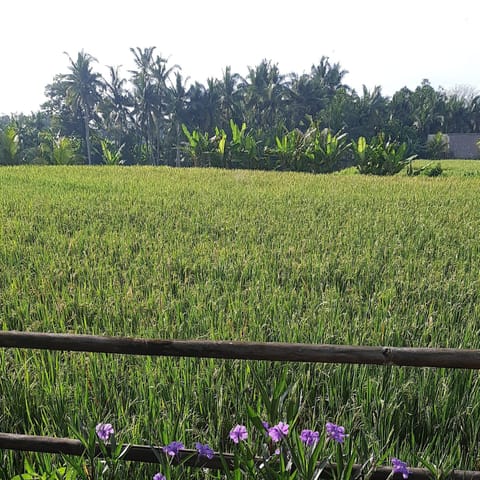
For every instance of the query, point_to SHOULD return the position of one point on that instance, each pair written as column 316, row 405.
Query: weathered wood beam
column 287, row 352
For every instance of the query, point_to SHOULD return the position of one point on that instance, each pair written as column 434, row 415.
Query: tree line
column 266, row 119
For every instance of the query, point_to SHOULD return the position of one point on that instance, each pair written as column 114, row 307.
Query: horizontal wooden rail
column 135, row 453
column 288, row 352
column 143, row 453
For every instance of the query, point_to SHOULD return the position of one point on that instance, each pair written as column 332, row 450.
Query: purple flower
column 159, row 476
column 335, row 432
column 104, row 430
column 400, row 467
column 204, row 450
column 309, row 437
column 266, row 426
column 173, row 448
column 238, row 433
column 278, row 431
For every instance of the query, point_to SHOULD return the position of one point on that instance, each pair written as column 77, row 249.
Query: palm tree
column 82, row 90
column 327, row 76
column 457, row 114
column 229, row 100
column 429, row 109
column 320, row 94
column 307, row 100
column 203, row 106
column 177, row 109
column 116, row 106
column 151, row 98
column 266, row 94
column 369, row 113
column 161, row 78
column 474, row 115
column 143, row 94
column 198, row 115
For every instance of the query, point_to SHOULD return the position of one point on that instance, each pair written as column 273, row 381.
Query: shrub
column 428, row 170
column 437, row 146
column 316, row 150
column 58, row 150
column 9, row 146
column 380, row 156
column 434, row 170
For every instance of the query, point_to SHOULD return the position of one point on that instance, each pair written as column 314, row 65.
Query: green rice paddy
column 240, row 255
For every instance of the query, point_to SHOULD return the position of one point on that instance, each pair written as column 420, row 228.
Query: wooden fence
column 287, row 352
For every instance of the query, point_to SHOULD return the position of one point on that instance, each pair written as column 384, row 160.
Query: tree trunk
column 87, row 137
column 177, row 157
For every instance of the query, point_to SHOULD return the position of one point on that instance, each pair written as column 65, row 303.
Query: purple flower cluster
column 278, row 431
column 309, row 437
column 104, row 431
column 173, row 448
column 400, row 467
column 335, row 432
column 238, row 433
column 204, row 450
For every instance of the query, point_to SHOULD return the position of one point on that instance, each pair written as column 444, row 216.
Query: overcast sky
column 390, row 43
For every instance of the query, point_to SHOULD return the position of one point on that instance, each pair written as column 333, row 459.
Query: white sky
column 391, row 43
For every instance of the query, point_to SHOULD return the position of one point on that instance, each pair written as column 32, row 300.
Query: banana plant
column 110, row 154
column 380, row 156
column 243, row 147
column 59, row 150
column 9, row 146
column 361, row 149
column 221, row 153
column 316, row 151
column 292, row 151
column 328, row 149
column 198, row 146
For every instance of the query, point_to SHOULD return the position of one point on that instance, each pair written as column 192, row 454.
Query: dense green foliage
column 217, row 254
column 143, row 113
column 380, row 156
column 9, row 146
column 316, row 150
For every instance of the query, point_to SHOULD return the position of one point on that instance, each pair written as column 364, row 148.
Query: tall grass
column 164, row 253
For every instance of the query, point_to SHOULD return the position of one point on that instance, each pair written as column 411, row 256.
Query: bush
column 434, row 171
column 428, row 170
column 380, row 157
column 437, row 147
column 9, row 146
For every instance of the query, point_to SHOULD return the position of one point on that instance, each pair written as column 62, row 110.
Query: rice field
column 240, row 255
